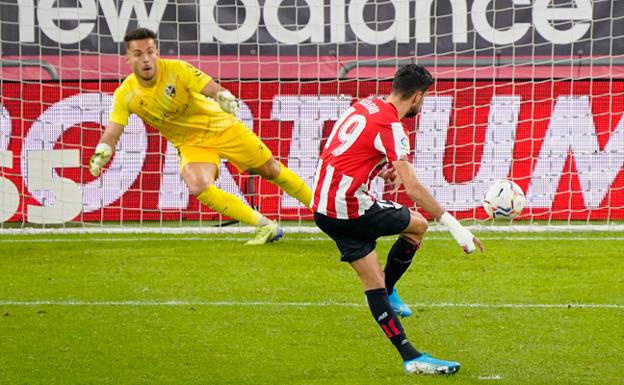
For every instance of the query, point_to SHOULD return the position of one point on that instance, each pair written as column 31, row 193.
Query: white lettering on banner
column 174, row 193
column 571, row 134
column 66, row 197
column 308, row 113
column 5, row 128
column 398, row 31
column 337, row 21
column 543, row 15
column 209, row 28
column 48, row 15
column 495, row 161
column 245, row 115
column 572, row 130
column 89, row 107
column 423, row 21
column 9, row 196
column 118, row 22
column 26, row 20
column 494, row 35
column 545, row 20
column 312, row 31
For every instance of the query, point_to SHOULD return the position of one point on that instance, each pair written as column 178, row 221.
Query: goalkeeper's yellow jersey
column 173, row 105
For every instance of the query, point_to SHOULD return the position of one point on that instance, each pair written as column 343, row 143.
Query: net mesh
column 527, row 91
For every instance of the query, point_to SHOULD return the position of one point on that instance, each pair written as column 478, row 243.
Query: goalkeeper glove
column 103, row 153
column 228, row 102
column 462, row 235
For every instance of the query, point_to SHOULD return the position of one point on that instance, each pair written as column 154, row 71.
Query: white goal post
column 531, row 91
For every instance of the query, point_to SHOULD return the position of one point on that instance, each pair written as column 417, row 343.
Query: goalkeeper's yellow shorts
column 238, row 144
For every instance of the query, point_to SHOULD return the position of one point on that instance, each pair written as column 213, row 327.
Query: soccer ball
column 504, row 199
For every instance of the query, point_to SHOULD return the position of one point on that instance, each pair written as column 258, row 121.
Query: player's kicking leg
column 414, row 362
column 356, row 241
column 200, row 177
column 400, row 258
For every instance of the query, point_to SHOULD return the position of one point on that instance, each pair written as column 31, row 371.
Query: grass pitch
column 181, row 309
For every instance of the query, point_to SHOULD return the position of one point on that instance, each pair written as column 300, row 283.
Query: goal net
column 530, row 91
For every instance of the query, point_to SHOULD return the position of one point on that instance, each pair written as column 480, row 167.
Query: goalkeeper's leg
column 280, row 175
column 200, row 177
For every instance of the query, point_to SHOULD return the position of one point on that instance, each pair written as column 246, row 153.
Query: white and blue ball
column 504, row 199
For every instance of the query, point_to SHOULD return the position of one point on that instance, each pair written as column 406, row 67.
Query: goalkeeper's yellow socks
column 293, row 185
column 228, row 204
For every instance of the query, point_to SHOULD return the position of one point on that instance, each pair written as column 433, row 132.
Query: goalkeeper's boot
column 266, row 234
column 425, row 364
column 400, row 308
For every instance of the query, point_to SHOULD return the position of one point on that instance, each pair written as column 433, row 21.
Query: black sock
column 389, row 322
column 399, row 259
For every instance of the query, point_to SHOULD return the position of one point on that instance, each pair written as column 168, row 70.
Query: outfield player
column 369, row 140
column 197, row 116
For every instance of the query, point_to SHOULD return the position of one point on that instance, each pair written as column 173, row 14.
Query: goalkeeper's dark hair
column 139, row 34
column 409, row 79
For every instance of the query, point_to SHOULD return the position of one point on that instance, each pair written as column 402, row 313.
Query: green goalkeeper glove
column 228, row 102
column 103, row 153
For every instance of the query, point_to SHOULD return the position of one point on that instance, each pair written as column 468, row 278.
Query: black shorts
column 356, row 238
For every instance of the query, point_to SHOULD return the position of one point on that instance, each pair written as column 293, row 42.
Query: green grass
column 313, row 327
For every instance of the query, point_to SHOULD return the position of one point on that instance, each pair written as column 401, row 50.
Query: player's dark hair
column 139, row 34
column 411, row 78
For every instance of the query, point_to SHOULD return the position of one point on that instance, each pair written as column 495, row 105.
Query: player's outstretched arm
column 226, row 100
column 423, row 198
column 104, row 150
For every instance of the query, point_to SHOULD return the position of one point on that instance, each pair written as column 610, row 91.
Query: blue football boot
column 425, row 364
column 401, row 309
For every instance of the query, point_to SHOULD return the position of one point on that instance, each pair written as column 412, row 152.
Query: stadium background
column 529, row 91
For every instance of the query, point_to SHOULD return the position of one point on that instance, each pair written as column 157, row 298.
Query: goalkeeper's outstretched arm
column 104, row 150
column 224, row 97
column 423, row 198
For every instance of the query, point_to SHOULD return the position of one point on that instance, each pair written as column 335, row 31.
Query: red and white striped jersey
column 366, row 136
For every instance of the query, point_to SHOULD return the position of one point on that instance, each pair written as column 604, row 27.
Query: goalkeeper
column 197, row 116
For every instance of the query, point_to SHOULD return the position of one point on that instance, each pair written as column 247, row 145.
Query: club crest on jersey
column 170, row 91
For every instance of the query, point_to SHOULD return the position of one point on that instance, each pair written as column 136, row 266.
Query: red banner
column 562, row 142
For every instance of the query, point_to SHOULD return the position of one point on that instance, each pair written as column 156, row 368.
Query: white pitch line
column 307, row 239
column 181, row 230
column 307, row 304
column 494, row 377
